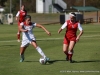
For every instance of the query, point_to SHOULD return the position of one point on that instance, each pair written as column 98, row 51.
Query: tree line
column 31, row 4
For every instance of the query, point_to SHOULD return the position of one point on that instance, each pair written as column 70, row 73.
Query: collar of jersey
column 22, row 10
column 27, row 24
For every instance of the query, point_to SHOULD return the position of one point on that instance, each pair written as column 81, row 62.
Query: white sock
column 40, row 52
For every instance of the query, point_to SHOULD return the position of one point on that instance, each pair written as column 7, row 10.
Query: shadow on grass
column 31, row 61
column 8, row 45
column 49, row 62
column 53, row 61
column 87, row 61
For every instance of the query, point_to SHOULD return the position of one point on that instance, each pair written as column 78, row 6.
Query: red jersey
column 71, row 29
column 21, row 15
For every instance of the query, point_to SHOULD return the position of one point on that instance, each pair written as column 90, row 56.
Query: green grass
column 86, row 53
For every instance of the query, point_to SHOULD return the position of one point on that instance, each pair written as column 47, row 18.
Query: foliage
column 2, row 2
column 15, row 4
column 31, row 4
column 95, row 3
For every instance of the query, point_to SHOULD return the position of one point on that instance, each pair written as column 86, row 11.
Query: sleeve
column 17, row 13
column 64, row 25
column 34, row 24
column 80, row 27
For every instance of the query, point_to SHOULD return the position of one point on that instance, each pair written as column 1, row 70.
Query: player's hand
column 16, row 18
column 26, row 31
column 59, row 31
column 77, row 39
column 49, row 33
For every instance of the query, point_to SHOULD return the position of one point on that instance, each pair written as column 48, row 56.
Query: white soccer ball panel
column 42, row 60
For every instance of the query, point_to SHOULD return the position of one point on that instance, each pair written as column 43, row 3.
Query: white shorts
column 26, row 42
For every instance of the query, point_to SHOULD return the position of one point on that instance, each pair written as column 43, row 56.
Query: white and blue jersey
column 27, row 37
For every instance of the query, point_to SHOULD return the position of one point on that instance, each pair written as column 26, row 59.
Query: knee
column 65, row 50
column 34, row 44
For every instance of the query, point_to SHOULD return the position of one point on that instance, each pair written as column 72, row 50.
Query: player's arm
column 40, row 26
column 63, row 26
column 81, row 32
column 21, row 28
column 17, row 15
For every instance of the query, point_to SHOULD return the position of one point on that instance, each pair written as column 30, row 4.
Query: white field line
column 91, row 36
column 52, row 38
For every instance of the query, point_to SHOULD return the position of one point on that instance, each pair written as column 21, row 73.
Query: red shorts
column 67, row 40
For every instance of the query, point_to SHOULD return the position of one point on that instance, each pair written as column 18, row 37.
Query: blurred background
column 50, row 11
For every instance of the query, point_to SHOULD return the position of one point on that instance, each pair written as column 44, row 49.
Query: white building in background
column 1, row 15
column 39, row 6
column 50, row 6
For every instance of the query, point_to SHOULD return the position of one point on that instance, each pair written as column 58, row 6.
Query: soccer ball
column 42, row 61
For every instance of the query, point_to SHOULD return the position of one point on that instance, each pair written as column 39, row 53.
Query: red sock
column 70, row 56
column 66, row 53
column 18, row 36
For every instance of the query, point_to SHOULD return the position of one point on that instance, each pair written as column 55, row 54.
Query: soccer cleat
column 71, row 61
column 67, row 58
column 47, row 59
column 22, row 58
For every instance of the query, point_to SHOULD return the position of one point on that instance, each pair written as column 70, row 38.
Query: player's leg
column 38, row 49
column 65, row 50
column 22, row 50
column 18, row 36
column 65, row 47
column 70, row 51
column 18, row 33
column 23, row 47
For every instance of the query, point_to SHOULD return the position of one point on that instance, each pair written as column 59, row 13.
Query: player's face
column 72, row 18
column 28, row 20
column 23, row 7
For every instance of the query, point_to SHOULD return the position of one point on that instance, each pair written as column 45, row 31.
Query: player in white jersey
column 29, row 38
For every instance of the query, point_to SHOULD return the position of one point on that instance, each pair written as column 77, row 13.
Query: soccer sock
column 22, row 56
column 66, row 53
column 40, row 52
column 18, row 36
column 70, row 54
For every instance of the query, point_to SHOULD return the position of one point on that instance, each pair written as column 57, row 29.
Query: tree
column 31, row 4
column 95, row 3
column 2, row 3
column 70, row 3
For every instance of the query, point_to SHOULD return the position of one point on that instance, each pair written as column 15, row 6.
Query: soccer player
column 28, row 37
column 20, row 18
column 70, row 37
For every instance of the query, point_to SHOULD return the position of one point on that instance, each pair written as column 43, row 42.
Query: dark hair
column 27, row 16
column 73, row 14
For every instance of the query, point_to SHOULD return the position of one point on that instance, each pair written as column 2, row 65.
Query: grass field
column 86, row 53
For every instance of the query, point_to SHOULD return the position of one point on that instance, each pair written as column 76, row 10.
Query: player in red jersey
column 70, row 38
column 20, row 18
